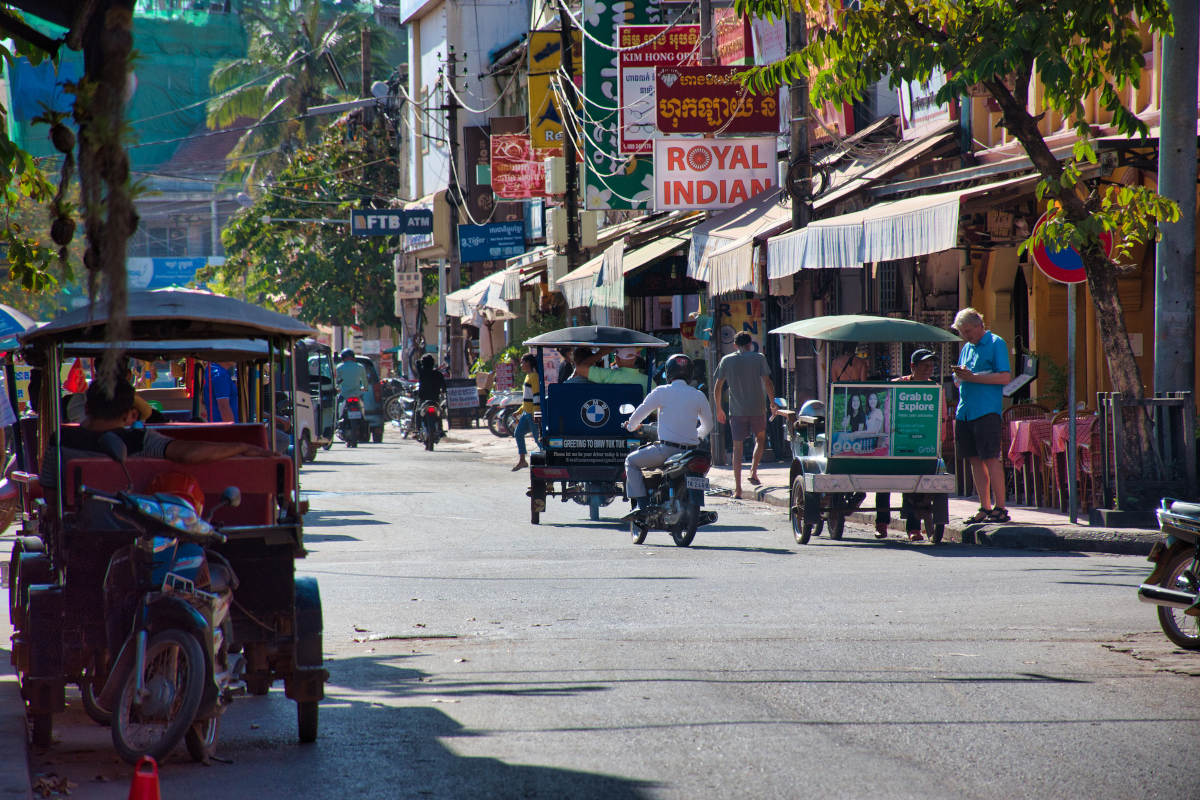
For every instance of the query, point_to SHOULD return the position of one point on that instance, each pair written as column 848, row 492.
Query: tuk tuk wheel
column 803, row 532
column 307, row 714
column 837, row 524
column 308, row 452
column 201, row 739
column 89, row 687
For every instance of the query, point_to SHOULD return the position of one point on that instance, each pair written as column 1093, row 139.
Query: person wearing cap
column 626, row 370
column 853, row 367
column 920, row 369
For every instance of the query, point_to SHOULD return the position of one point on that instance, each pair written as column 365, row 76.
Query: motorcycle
column 676, row 494
column 502, row 412
column 1174, row 584
column 428, row 421
column 352, row 426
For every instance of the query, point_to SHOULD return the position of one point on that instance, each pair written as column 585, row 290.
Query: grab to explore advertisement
column 711, row 173
column 887, row 420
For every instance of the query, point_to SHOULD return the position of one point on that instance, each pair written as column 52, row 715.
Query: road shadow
column 942, row 550
column 338, row 519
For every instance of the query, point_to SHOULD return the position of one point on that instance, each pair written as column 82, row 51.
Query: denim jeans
column 524, row 426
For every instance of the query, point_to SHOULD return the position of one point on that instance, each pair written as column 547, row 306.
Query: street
column 473, row 654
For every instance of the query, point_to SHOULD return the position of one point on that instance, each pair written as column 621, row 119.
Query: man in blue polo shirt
column 981, row 373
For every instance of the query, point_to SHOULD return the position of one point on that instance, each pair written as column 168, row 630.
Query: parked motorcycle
column 676, row 494
column 352, row 425
column 502, row 412
column 428, row 424
column 1174, row 584
column 174, row 674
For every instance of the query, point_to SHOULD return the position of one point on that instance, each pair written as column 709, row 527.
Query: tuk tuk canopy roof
column 164, row 314
column 865, row 328
column 155, row 350
column 595, row 336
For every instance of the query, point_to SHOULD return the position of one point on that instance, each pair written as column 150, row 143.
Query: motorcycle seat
column 1190, row 510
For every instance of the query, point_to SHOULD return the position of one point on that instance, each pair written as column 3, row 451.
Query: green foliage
column 1053, row 385
column 512, row 353
column 317, row 268
column 1076, row 47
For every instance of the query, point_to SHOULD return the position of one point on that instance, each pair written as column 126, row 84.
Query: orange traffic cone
column 145, row 783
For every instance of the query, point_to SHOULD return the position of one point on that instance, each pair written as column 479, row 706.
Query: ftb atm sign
column 391, row 221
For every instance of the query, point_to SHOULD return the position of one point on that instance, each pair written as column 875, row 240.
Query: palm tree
column 290, row 65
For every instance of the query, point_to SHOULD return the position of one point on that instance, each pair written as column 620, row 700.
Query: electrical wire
column 615, row 49
column 504, row 91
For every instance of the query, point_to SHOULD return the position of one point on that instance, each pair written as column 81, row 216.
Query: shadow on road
column 331, row 519
column 943, row 550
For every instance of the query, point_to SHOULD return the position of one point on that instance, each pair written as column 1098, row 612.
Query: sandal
column 754, row 481
column 999, row 515
column 982, row 515
column 915, row 536
column 881, row 530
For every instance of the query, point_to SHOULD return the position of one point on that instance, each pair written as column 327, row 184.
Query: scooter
column 676, row 496
column 1174, row 584
column 352, row 426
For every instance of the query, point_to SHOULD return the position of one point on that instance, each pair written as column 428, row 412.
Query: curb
column 1015, row 535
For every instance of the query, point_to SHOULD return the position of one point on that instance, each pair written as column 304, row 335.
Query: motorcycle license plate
column 354, row 415
column 697, row 483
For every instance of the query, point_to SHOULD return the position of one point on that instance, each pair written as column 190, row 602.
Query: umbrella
column 595, row 336
column 865, row 328
column 13, row 322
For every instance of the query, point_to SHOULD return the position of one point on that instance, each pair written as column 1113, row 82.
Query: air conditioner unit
column 556, row 227
column 556, row 268
column 589, row 222
column 556, row 175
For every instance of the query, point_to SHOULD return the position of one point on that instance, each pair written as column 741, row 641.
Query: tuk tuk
column 881, row 437
column 584, row 443
column 59, row 586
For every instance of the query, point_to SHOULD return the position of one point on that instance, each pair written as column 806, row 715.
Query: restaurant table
column 1026, row 437
column 1058, row 446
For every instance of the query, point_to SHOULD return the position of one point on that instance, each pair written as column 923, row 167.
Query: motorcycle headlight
column 183, row 517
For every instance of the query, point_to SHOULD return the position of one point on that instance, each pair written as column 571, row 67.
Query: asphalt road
column 475, row 655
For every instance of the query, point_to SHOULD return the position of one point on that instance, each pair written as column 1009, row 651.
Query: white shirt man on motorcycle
column 680, row 407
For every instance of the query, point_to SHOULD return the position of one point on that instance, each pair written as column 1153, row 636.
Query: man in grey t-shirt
column 749, row 380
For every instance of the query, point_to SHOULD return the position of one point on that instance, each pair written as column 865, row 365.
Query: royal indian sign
column 697, row 174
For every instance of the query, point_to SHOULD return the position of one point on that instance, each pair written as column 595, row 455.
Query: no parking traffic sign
column 1066, row 265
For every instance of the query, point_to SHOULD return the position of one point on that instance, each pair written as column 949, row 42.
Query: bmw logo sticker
column 594, row 413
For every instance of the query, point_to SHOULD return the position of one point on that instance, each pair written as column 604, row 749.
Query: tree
column 297, row 52
column 1076, row 48
column 317, row 268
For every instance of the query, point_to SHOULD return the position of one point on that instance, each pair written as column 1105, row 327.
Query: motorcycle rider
column 431, row 384
column 351, row 380
column 679, row 408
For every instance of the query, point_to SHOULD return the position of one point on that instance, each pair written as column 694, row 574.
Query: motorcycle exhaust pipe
column 1160, row 596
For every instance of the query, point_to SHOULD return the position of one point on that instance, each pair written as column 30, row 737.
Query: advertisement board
column 491, row 242
column 885, row 420
column 545, row 58
column 710, row 100
column 651, row 47
column 611, row 179
column 518, row 171
column 158, row 273
column 695, row 174
column 735, row 44
column 919, row 110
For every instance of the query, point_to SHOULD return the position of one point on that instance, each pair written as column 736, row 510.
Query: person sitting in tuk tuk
column 921, row 366
column 584, row 358
column 626, row 370
column 853, row 367
column 679, row 408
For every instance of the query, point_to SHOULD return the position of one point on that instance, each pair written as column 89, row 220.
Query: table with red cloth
column 1083, row 432
column 1026, row 437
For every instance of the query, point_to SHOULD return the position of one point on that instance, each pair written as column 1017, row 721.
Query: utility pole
column 1175, row 252
column 799, row 166
column 570, row 199
column 453, row 195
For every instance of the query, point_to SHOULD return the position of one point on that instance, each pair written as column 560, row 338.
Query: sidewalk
column 1033, row 529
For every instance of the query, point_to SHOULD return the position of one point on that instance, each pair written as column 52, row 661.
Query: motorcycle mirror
column 232, row 496
column 780, row 402
column 626, row 408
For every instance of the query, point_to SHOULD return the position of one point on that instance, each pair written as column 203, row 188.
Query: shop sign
column 408, row 280
column 887, row 420
column 919, row 110
column 390, row 221
column 502, row 376
column 711, row 173
column 461, row 394
column 491, row 242
column 545, row 58
column 518, row 171
column 652, row 46
column 612, row 180
column 711, row 100
column 735, row 45
column 158, row 273
column 737, row 316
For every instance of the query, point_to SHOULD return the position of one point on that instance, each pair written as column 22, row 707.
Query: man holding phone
column 981, row 373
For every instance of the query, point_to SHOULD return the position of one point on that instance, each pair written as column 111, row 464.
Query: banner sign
column 735, row 44
column 887, row 420
column 519, row 171
column 408, row 279
column 461, row 394
column 919, row 110
column 711, row 173
column 545, row 59
column 611, row 180
column 159, row 273
column 390, row 222
column 711, row 100
column 491, row 242
column 655, row 46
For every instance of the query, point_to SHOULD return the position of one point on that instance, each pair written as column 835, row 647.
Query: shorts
column 741, row 427
column 978, row 438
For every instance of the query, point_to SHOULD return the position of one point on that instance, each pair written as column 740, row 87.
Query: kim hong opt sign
column 711, row 173
column 390, row 221
column 491, row 242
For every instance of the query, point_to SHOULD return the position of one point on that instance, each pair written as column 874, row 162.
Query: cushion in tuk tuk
column 587, row 409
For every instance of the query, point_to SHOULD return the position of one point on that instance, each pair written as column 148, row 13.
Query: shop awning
column 579, row 284
column 915, row 226
column 722, row 252
column 485, row 297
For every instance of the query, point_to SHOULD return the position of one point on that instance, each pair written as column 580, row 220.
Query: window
column 888, row 285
